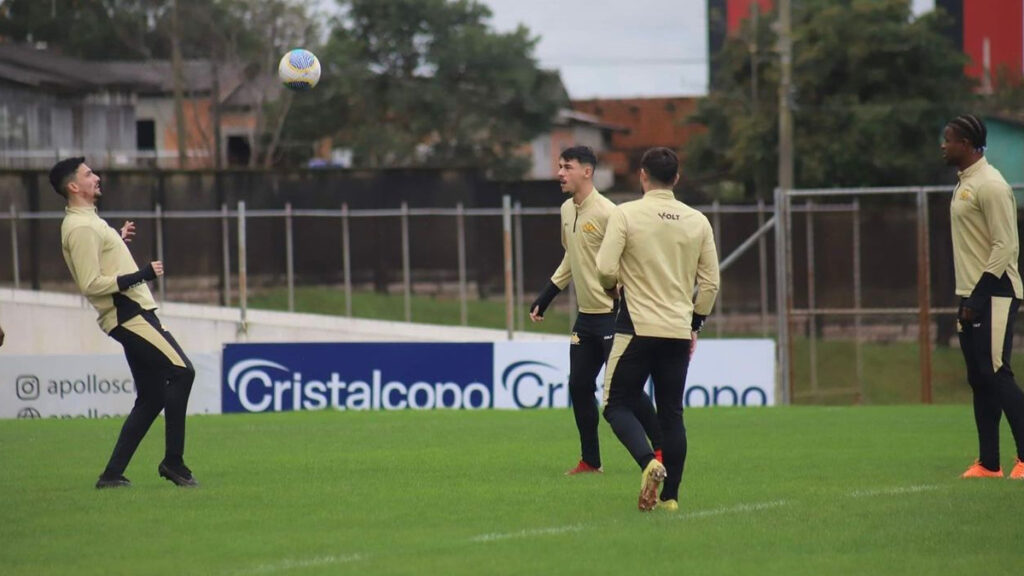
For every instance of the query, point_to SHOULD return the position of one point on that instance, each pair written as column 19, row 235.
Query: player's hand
column 127, row 231
column 693, row 344
column 158, row 267
column 535, row 315
column 966, row 315
column 614, row 293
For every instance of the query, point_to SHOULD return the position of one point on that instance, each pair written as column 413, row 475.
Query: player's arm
column 610, row 253
column 707, row 280
column 1000, row 212
column 85, row 246
column 559, row 280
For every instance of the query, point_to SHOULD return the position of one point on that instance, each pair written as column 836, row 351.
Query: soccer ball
column 299, row 69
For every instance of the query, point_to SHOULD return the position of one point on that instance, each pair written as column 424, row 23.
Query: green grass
column 426, row 309
column 799, row 490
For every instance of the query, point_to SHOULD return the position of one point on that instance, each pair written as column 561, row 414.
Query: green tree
column 872, row 89
column 421, row 82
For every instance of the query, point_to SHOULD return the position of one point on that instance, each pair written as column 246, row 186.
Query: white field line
column 892, row 491
column 528, row 533
column 292, row 564
column 739, row 509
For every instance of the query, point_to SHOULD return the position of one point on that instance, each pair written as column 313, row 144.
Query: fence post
column 716, row 209
column 243, row 273
column 506, row 226
column 460, row 224
column 289, row 257
column 14, row 247
column 924, row 298
column 346, row 259
column 519, row 313
column 161, row 283
column 812, row 304
column 857, row 301
column 406, row 273
column 762, row 255
column 225, row 238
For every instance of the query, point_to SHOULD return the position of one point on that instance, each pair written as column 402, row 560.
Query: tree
column 873, row 88
column 421, row 82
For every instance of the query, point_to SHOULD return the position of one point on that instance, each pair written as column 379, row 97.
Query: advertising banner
column 89, row 386
column 356, row 376
column 423, row 376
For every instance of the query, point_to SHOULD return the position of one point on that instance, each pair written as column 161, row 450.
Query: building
column 643, row 123
column 574, row 128
column 120, row 113
column 990, row 32
column 51, row 106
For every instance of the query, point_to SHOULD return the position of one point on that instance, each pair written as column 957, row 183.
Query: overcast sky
column 620, row 48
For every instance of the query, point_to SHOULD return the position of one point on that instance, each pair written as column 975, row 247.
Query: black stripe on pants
column 992, row 383
column 163, row 381
column 666, row 361
column 591, row 343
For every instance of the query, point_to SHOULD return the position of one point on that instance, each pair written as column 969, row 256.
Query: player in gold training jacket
column 105, row 273
column 983, row 219
column 657, row 249
column 583, row 222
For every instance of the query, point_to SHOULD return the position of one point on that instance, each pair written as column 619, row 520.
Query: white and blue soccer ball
column 299, row 69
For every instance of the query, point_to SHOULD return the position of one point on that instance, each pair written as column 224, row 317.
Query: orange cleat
column 978, row 471
column 1018, row 470
column 583, row 468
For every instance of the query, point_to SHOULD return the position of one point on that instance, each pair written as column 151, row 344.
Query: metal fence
column 859, row 223
column 466, row 252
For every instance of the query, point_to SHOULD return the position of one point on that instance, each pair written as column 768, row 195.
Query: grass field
column 797, row 490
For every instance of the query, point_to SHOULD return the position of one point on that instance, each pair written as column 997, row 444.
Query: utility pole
column 179, row 81
column 784, row 300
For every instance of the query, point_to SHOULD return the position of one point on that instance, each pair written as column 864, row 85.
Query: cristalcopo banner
column 88, row 386
column 423, row 376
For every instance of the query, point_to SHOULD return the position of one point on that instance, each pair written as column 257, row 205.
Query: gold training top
column 983, row 218
column 96, row 255
column 582, row 231
column 659, row 248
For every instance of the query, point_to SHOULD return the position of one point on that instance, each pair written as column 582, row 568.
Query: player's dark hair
column 970, row 128
column 661, row 165
column 62, row 173
column 581, row 154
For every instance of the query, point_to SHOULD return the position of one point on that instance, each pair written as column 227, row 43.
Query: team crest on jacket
column 589, row 227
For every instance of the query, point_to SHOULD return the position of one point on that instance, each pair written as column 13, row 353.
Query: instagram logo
column 27, row 387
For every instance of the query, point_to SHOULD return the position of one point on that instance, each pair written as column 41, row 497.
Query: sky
column 620, row 48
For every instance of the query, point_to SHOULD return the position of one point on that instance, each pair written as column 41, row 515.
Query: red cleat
column 583, row 468
column 657, row 456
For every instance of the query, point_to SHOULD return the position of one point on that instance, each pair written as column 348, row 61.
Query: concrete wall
column 47, row 323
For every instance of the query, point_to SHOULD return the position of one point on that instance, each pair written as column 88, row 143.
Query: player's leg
column 628, row 368
column 586, row 357
column 1011, row 397
column 149, row 401
column 668, row 371
column 175, row 372
column 645, row 408
column 975, row 344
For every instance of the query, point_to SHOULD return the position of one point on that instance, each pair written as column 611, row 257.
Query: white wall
column 45, row 323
